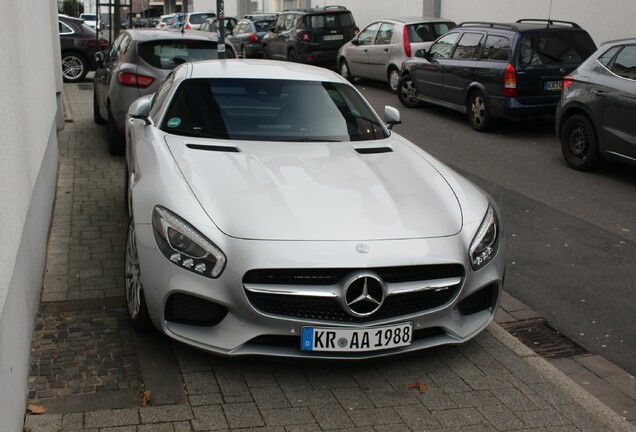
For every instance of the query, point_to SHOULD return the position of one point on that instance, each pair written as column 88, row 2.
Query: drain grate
column 85, row 86
column 543, row 339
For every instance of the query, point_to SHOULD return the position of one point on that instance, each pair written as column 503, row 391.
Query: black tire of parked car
column 265, row 53
column 407, row 94
column 345, row 72
column 97, row 117
column 74, row 66
column 137, row 313
column 579, row 143
column 116, row 143
column 393, row 77
column 292, row 56
column 478, row 114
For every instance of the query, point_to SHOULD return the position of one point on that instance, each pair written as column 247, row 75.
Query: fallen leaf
column 422, row 387
column 35, row 409
column 145, row 397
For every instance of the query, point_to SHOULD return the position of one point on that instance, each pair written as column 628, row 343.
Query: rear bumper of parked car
column 522, row 107
column 245, row 329
column 311, row 54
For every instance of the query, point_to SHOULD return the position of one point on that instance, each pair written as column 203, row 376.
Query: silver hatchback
column 379, row 50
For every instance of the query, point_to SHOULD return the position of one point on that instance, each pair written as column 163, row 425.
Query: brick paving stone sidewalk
column 85, row 369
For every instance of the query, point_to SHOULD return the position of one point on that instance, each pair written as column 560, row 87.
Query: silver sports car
column 274, row 213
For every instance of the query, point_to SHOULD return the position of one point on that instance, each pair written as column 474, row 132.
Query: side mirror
column 421, row 53
column 392, row 117
column 99, row 58
column 140, row 109
column 354, row 41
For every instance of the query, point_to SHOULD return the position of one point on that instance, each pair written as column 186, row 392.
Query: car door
column 380, row 52
column 104, row 73
column 458, row 71
column 615, row 110
column 358, row 51
column 239, row 35
column 275, row 40
column 429, row 73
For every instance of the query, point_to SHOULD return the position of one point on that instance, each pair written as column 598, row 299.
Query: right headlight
column 185, row 246
column 484, row 246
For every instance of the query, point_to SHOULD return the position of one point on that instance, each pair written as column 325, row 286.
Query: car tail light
column 356, row 30
column 102, row 43
column 406, row 41
column 567, row 80
column 305, row 36
column 510, row 82
column 134, row 80
column 310, row 59
column 188, row 27
column 253, row 37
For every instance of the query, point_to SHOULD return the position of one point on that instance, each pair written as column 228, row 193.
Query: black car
column 248, row 34
column 311, row 36
column 78, row 43
column 595, row 117
column 494, row 70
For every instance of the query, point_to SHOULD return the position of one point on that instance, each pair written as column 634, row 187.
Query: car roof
column 531, row 26
column 70, row 18
column 151, row 34
column 264, row 69
column 619, row 41
column 417, row 19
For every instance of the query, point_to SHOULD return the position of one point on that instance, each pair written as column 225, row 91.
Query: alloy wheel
column 72, row 68
column 478, row 108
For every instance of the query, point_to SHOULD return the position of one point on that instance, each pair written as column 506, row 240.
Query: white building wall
column 603, row 20
column 29, row 87
column 366, row 11
column 231, row 6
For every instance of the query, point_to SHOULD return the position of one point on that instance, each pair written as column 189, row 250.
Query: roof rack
column 549, row 22
column 489, row 25
column 337, row 7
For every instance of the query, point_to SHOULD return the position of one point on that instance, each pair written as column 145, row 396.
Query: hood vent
column 374, row 150
column 228, row 149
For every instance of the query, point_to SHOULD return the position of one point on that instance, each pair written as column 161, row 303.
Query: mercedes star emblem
column 364, row 296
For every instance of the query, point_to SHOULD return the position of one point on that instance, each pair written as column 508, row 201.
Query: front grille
column 187, row 309
column 329, row 309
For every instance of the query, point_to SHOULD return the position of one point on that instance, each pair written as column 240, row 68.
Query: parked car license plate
column 333, row 37
column 356, row 339
column 552, row 86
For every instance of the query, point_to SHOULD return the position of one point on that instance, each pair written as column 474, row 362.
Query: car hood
column 317, row 191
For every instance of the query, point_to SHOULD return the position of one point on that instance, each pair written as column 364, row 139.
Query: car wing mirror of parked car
column 355, row 41
column 99, row 58
column 392, row 117
column 421, row 53
column 140, row 109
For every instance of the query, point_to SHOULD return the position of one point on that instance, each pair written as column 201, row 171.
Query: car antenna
column 549, row 14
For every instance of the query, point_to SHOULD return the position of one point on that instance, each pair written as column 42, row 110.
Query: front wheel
column 292, row 56
column 406, row 92
column 74, row 67
column 345, row 72
column 394, row 79
column 579, row 143
column 478, row 114
column 135, row 300
column 116, row 141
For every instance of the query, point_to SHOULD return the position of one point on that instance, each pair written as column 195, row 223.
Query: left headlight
column 484, row 246
column 185, row 246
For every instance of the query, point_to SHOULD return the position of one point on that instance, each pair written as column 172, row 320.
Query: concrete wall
column 603, row 20
column 29, row 85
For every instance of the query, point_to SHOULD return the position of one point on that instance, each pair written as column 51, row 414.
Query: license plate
column 355, row 339
column 332, row 37
column 552, row 86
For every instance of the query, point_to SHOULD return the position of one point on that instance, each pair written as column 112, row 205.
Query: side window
column 625, row 63
column 114, row 49
column 280, row 22
column 366, row 36
column 289, row 21
column 125, row 43
column 160, row 96
column 443, row 47
column 384, row 34
column 468, row 46
column 65, row 29
column 496, row 48
column 608, row 55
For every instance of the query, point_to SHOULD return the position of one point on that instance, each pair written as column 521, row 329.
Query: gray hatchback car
column 135, row 65
column 595, row 116
column 379, row 50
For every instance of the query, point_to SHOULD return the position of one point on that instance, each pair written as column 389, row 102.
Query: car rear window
column 329, row 20
column 428, row 32
column 555, row 49
column 271, row 110
column 200, row 17
column 263, row 26
column 168, row 54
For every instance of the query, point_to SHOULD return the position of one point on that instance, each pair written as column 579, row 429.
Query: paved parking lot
column 89, row 370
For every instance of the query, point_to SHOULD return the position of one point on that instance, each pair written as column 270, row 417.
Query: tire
column 393, row 77
column 265, row 53
column 74, row 67
column 345, row 72
column 478, row 114
column 135, row 299
column 579, row 143
column 244, row 52
column 97, row 117
column 291, row 56
column 116, row 143
column 407, row 93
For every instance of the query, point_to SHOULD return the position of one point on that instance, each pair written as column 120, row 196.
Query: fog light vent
column 187, row 309
column 477, row 302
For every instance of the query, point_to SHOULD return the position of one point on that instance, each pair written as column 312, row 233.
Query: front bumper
column 246, row 330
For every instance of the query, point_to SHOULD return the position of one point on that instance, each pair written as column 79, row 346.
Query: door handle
column 386, row 50
column 366, row 50
column 600, row 93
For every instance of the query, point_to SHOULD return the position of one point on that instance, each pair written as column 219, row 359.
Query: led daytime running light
column 483, row 249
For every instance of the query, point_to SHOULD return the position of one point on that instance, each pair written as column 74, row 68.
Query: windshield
column 271, row 110
column 89, row 17
column 168, row 54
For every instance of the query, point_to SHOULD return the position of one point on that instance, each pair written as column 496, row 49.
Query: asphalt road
column 571, row 236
